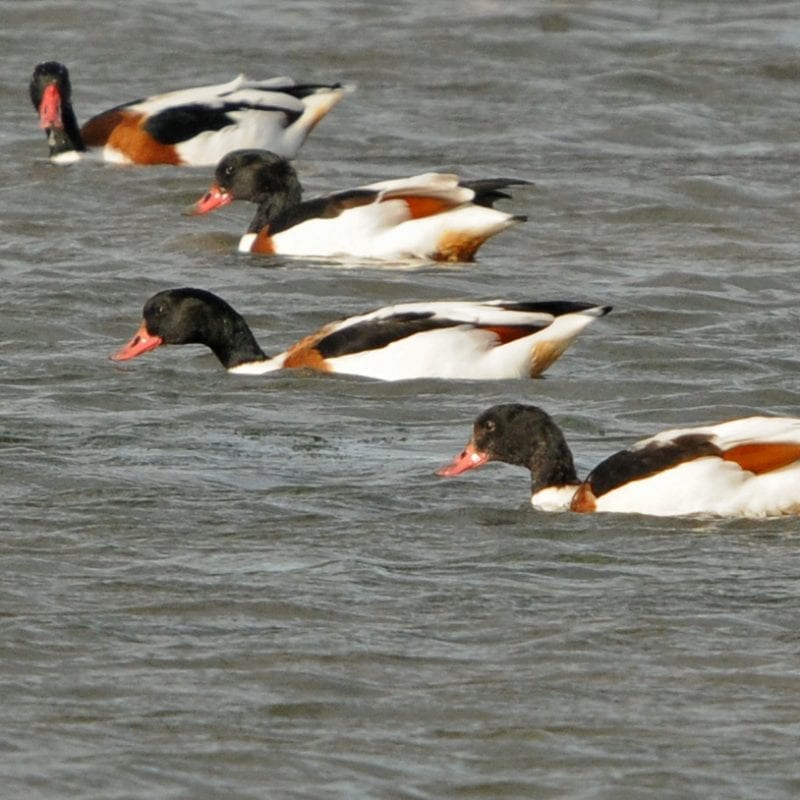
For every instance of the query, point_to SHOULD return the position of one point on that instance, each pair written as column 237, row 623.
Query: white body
column 384, row 228
column 462, row 351
column 263, row 127
column 706, row 485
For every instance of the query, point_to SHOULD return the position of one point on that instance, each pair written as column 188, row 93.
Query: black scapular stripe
column 373, row 334
column 179, row 124
column 318, row 208
column 637, row 463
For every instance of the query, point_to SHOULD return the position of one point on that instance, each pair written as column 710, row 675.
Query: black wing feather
column 554, row 307
column 487, row 190
column 298, row 91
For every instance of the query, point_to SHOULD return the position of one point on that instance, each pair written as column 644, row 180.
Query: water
column 218, row 586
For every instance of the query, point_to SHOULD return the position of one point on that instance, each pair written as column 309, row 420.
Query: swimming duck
column 746, row 467
column 458, row 340
column 433, row 216
column 191, row 127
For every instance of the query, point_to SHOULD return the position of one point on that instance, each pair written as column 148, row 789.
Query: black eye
column 489, row 425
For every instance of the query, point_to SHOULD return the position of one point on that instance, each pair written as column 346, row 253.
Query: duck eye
column 489, row 425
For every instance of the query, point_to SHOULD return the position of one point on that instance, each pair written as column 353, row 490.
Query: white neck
column 554, row 498
column 258, row 367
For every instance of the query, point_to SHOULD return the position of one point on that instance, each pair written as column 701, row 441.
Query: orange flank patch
column 583, row 500
column 305, row 353
column 306, row 357
column 763, row 456
column 123, row 131
column 97, row 130
column 263, row 242
column 458, row 246
column 424, row 206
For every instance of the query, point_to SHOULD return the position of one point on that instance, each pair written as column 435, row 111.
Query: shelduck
column 747, row 467
column 457, row 340
column 191, row 127
column 434, row 216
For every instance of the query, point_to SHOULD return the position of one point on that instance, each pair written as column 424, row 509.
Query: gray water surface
column 220, row 586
